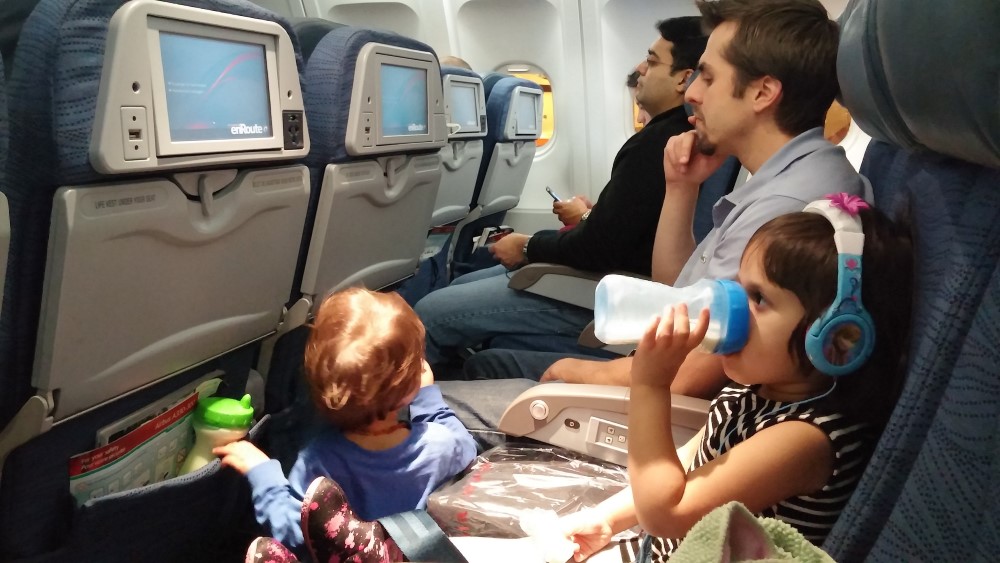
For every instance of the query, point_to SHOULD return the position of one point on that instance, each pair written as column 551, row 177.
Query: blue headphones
column 842, row 338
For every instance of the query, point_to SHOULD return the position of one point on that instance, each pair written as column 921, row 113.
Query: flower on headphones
column 850, row 204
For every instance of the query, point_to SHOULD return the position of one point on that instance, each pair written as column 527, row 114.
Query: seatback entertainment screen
column 463, row 107
column 215, row 89
column 404, row 100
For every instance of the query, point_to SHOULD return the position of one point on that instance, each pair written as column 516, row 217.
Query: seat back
column 514, row 118
column 720, row 183
column 155, row 211
column 930, row 491
column 310, row 31
column 465, row 109
column 137, row 246
column 375, row 158
column 855, row 143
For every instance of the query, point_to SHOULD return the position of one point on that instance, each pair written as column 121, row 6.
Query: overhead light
column 518, row 69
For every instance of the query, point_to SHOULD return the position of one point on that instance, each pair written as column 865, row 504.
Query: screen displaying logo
column 216, row 89
column 404, row 100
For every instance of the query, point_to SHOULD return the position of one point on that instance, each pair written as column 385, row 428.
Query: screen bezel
column 362, row 137
column 165, row 145
column 429, row 69
column 513, row 129
column 452, row 80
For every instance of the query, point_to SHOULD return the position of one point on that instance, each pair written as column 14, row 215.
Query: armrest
column 558, row 282
column 591, row 419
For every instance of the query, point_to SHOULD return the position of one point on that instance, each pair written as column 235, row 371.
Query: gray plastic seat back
column 460, row 159
column 507, row 157
column 372, row 210
column 147, row 275
column 133, row 271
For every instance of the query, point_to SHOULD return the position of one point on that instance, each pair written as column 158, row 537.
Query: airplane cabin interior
column 182, row 182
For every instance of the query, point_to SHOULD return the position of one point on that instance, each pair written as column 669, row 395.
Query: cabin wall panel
column 617, row 35
column 419, row 19
column 286, row 8
column 546, row 33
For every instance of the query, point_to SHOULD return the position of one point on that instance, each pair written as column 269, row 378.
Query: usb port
column 135, row 134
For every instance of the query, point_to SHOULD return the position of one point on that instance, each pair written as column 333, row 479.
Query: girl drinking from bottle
column 811, row 390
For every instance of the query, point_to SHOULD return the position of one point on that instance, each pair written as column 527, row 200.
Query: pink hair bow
column 850, row 204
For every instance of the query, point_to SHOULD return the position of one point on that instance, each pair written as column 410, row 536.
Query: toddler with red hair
column 364, row 362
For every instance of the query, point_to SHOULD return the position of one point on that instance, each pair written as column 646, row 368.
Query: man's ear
column 684, row 77
column 766, row 92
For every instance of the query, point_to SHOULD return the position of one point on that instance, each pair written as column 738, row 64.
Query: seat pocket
column 205, row 515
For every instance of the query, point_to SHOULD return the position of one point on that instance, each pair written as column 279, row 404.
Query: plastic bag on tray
column 508, row 482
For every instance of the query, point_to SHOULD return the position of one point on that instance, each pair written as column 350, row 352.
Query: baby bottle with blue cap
column 217, row 421
column 624, row 307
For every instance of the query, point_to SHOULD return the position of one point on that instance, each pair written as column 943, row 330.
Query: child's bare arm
column 652, row 454
column 591, row 529
column 782, row 461
column 786, row 460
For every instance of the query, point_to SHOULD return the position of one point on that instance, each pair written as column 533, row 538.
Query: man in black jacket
column 617, row 234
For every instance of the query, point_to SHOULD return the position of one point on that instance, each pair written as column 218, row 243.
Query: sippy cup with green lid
column 217, row 421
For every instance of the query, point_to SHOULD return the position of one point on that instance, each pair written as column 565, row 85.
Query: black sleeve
column 618, row 235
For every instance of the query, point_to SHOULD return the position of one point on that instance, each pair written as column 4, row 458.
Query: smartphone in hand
column 552, row 193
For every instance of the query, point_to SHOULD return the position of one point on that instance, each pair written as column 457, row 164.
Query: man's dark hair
column 689, row 41
column 793, row 41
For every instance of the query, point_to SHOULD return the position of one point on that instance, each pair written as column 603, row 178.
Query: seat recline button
column 539, row 410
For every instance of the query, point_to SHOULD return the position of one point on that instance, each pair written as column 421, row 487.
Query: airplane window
column 639, row 117
column 636, row 124
column 538, row 76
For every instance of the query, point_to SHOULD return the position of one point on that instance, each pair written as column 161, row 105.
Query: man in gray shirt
column 763, row 101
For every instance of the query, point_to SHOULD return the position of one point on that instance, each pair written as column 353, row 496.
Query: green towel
column 730, row 533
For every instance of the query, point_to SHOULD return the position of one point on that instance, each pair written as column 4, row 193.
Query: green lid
column 224, row 412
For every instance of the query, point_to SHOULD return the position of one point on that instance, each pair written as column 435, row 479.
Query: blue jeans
column 480, row 405
column 479, row 307
column 497, row 363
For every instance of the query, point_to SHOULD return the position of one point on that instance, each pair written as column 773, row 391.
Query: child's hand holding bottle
column 665, row 344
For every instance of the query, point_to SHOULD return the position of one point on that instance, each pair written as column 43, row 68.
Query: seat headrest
column 500, row 102
column 490, row 80
column 924, row 75
column 53, row 90
column 329, row 83
column 459, row 71
column 310, row 31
